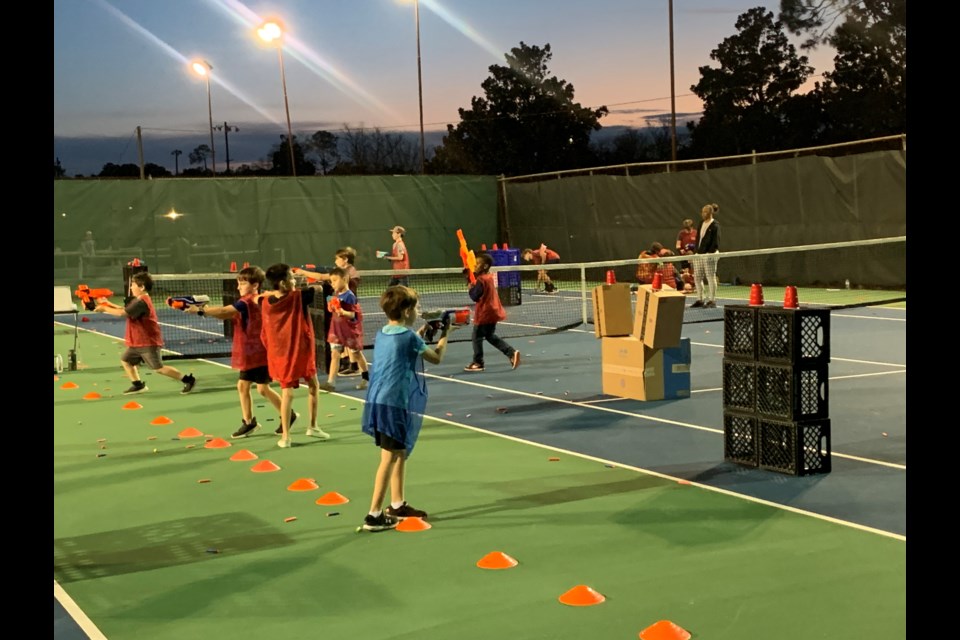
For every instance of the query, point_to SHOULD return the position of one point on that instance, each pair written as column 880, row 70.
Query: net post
column 583, row 294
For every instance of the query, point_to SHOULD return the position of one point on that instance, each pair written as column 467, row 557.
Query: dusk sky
column 120, row 64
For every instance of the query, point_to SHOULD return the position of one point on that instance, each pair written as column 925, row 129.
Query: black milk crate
column 739, row 385
column 740, row 332
column 741, row 438
column 792, row 392
column 796, row 448
column 793, row 336
column 509, row 296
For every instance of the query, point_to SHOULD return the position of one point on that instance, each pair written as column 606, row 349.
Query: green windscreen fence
column 181, row 225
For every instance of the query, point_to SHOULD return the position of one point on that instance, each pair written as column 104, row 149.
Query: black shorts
column 386, row 442
column 257, row 375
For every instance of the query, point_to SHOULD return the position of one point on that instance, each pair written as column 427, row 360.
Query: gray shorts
column 150, row 356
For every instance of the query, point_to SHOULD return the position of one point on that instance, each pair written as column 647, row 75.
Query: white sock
column 397, row 505
column 376, row 514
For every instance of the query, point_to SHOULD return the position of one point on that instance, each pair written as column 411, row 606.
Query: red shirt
column 400, row 249
column 489, row 310
column 143, row 330
column 551, row 255
column 685, row 237
column 248, row 351
column 288, row 336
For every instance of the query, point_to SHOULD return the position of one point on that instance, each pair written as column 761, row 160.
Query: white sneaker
column 317, row 432
column 285, row 444
column 326, row 386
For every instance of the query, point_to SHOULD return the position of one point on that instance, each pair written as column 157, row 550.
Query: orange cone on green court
column 93, row 395
column 217, row 443
column 133, row 405
column 191, row 432
column 496, row 560
column 244, row 454
column 582, row 596
column 331, row 498
column 303, row 484
column 413, row 524
column 69, row 385
column 664, row 630
column 161, row 420
column 264, row 466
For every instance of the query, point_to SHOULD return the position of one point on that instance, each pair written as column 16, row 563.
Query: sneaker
column 515, row 360
column 405, row 511
column 317, row 432
column 710, row 304
column 284, row 444
column 137, row 387
column 473, row 366
column 362, row 385
column 698, row 303
column 326, row 386
column 549, row 287
column 246, row 429
column 293, row 418
column 350, row 372
column 381, row 523
column 188, row 383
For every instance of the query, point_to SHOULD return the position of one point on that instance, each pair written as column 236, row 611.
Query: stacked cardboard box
column 643, row 356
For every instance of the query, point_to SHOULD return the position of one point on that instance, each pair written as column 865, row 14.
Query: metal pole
column 416, row 13
column 286, row 106
column 140, row 150
column 226, row 143
column 213, row 153
column 673, row 94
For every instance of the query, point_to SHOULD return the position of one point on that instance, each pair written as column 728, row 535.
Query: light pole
column 416, row 14
column 203, row 68
column 226, row 139
column 673, row 95
column 269, row 32
column 176, row 161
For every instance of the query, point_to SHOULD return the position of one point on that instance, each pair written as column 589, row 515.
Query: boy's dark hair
column 396, row 300
column 485, row 258
column 656, row 248
column 253, row 275
column 277, row 274
column 337, row 271
column 349, row 253
column 143, row 279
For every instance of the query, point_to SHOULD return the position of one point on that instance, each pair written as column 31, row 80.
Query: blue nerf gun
column 182, row 302
column 441, row 321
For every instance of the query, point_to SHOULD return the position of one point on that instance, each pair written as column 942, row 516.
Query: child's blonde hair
column 396, row 300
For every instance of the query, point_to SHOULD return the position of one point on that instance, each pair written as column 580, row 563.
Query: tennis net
column 834, row 275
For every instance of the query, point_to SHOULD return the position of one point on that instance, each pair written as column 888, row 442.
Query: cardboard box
column 612, row 310
column 659, row 318
column 631, row 369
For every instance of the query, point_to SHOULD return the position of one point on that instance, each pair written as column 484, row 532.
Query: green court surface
column 134, row 531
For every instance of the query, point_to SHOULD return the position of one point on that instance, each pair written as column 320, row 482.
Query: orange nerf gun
column 467, row 256
column 89, row 296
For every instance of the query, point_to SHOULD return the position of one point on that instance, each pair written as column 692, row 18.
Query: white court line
column 658, row 474
column 75, row 612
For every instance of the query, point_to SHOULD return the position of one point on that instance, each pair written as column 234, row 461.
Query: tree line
column 528, row 121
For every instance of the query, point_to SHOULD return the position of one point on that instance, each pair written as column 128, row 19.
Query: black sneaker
column 698, row 303
column 350, row 372
column 188, row 383
column 710, row 304
column 381, row 523
column 549, row 287
column 246, row 429
column 293, row 418
column 405, row 511
column 473, row 366
column 137, row 387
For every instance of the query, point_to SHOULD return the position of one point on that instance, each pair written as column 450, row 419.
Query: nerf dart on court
column 467, row 257
column 88, row 296
column 438, row 320
column 182, row 302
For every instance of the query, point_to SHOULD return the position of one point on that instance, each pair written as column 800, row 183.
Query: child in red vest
column 488, row 313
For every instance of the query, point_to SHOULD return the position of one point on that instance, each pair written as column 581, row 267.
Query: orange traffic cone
column 246, row 264
column 657, row 281
column 756, row 295
column 496, row 560
column 790, row 298
column 495, row 247
column 611, row 277
column 233, row 267
column 303, row 484
column 331, row 498
column 483, row 246
column 582, row 596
